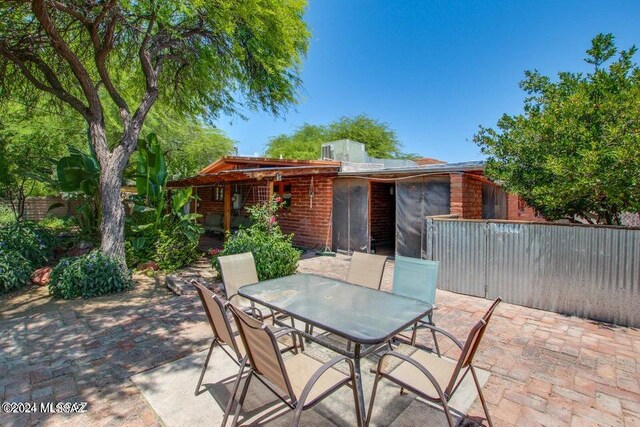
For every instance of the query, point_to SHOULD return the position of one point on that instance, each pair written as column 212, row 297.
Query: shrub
column 33, row 242
column 88, row 276
column 174, row 250
column 274, row 254
column 59, row 224
column 15, row 270
column 6, row 215
column 141, row 247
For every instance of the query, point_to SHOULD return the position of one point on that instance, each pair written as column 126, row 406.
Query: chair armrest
column 417, row 365
column 443, row 332
column 253, row 310
column 285, row 330
column 324, row 368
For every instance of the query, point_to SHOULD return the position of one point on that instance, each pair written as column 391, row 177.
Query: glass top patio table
column 360, row 314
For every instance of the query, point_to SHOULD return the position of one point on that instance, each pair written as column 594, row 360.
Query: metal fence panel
column 591, row 272
column 460, row 248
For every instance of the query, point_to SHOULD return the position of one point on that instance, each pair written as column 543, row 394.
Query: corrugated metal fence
column 591, row 272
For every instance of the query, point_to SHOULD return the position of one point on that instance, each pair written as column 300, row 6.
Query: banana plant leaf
column 151, row 178
column 179, row 199
column 79, row 172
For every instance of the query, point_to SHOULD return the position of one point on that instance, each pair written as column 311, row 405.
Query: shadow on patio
column 546, row 369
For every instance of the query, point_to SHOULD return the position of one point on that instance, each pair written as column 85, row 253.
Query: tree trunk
column 112, row 164
column 112, row 220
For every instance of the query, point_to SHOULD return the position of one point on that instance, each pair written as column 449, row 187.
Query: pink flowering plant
column 272, row 250
column 264, row 215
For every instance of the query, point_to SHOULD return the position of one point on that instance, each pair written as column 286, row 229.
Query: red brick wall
column 206, row 204
column 466, row 196
column 310, row 226
column 382, row 212
column 518, row 210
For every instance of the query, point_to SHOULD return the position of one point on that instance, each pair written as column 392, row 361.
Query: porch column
column 227, row 207
column 270, row 190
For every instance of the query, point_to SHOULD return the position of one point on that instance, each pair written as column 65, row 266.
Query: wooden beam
column 227, row 207
column 196, row 200
column 270, row 187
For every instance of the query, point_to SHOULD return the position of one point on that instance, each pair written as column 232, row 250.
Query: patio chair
column 430, row 376
column 300, row 381
column 237, row 271
column 222, row 333
column 366, row 270
column 224, row 337
column 417, row 278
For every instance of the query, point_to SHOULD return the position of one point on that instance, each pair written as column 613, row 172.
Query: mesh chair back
column 468, row 351
column 366, row 270
column 262, row 349
column 472, row 343
column 415, row 278
column 237, row 271
column 217, row 317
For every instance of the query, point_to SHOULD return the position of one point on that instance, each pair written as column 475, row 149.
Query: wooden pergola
column 231, row 170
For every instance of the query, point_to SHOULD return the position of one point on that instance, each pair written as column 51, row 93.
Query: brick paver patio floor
column 547, row 369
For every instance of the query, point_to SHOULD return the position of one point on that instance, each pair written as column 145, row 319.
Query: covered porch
column 228, row 187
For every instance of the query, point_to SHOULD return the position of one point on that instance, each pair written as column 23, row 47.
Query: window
column 218, row 194
column 283, row 190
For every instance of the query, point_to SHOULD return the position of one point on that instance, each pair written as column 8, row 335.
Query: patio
column 546, row 369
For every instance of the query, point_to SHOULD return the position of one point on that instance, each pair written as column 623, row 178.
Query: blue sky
column 435, row 70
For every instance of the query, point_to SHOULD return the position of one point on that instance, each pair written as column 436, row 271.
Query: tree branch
column 71, row 12
column 151, row 73
column 39, row 10
column 54, row 87
column 102, row 49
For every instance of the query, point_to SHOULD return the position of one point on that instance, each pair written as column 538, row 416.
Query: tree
column 202, row 57
column 303, row 144
column 28, row 142
column 379, row 139
column 574, row 152
column 188, row 143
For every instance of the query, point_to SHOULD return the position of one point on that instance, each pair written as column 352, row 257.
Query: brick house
column 367, row 205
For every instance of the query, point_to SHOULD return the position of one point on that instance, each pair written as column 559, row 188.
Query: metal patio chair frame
column 240, row 270
column 464, row 364
column 224, row 337
column 275, row 370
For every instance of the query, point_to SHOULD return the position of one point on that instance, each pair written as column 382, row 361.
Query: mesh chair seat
column 301, row 368
column 441, row 368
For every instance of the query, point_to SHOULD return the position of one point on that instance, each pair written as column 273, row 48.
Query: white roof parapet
column 360, row 167
column 437, row 168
